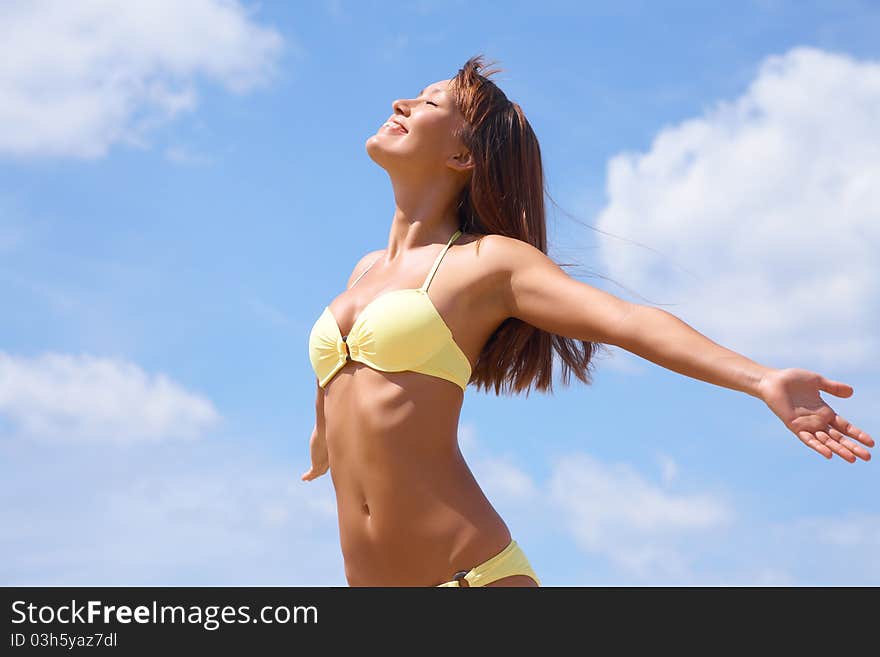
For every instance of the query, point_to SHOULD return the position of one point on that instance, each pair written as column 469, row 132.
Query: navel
column 366, row 508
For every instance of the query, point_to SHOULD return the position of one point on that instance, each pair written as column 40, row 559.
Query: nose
column 400, row 105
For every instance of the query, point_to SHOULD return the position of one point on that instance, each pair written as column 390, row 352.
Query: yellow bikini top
column 400, row 330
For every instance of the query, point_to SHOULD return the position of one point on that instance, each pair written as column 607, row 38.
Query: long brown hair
column 505, row 196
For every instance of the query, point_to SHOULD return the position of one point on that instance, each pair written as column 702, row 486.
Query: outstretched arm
column 663, row 338
column 543, row 295
column 791, row 393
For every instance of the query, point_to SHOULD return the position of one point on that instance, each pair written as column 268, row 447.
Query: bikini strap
column 439, row 258
column 364, row 272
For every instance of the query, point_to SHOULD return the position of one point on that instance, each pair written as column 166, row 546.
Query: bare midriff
column 410, row 511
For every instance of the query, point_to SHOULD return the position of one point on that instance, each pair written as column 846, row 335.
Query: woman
column 395, row 351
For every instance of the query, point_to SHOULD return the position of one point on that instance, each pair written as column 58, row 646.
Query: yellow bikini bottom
column 510, row 561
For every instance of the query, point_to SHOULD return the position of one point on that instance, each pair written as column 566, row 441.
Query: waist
column 421, row 543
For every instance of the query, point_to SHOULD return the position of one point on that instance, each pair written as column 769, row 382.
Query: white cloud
column 771, row 204
column 613, row 511
column 500, row 476
column 648, row 535
column 609, row 509
column 179, row 514
column 504, row 478
column 64, row 397
column 76, row 77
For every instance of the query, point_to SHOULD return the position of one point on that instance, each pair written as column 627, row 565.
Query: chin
column 377, row 152
column 372, row 148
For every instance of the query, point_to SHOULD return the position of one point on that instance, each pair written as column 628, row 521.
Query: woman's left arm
column 543, row 295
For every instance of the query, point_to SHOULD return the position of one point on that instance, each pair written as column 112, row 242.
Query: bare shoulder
column 502, row 257
column 499, row 254
column 365, row 261
column 536, row 290
column 507, row 247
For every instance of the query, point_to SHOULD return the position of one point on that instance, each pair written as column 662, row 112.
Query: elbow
column 625, row 330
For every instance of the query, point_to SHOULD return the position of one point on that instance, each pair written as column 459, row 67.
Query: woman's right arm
column 318, row 441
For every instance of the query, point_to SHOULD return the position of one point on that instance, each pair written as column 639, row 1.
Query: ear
column 462, row 161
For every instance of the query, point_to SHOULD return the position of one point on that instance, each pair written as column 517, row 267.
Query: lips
column 395, row 121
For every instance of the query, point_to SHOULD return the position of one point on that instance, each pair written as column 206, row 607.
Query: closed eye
column 433, row 103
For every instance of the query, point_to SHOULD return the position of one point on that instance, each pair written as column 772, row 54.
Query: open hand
column 793, row 395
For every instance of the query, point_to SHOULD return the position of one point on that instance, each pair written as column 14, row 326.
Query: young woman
column 394, row 353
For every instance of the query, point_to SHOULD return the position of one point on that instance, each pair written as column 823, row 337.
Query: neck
column 424, row 214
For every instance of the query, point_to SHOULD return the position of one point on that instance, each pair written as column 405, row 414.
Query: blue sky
column 182, row 191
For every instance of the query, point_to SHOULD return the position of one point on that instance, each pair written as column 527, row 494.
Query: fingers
column 836, row 388
column 849, row 429
column 810, row 441
column 831, row 443
column 853, row 447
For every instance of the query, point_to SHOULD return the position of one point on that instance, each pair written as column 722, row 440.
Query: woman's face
column 428, row 141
